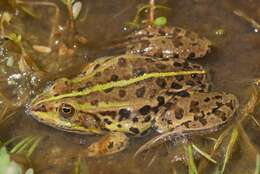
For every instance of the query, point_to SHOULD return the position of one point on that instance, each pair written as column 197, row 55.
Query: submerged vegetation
column 16, row 159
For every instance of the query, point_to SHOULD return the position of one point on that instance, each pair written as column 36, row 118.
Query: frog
column 127, row 95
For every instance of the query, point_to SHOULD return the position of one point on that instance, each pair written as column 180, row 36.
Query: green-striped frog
column 151, row 86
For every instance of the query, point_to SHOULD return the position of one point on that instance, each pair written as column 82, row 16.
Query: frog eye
column 66, row 110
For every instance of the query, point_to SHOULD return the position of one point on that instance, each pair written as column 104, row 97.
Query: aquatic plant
column 81, row 166
column 23, row 146
column 138, row 21
column 9, row 166
column 191, row 162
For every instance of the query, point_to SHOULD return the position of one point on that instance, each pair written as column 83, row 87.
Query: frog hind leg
column 109, row 144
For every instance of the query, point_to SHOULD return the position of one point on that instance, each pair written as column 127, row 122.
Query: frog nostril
column 40, row 108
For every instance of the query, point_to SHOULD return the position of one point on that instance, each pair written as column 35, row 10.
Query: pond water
column 233, row 64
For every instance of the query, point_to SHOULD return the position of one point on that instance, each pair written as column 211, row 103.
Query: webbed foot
column 109, row 144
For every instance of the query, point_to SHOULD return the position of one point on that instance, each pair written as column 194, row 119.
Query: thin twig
column 152, row 4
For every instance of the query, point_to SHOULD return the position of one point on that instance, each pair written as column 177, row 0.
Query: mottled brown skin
column 168, row 42
column 165, row 103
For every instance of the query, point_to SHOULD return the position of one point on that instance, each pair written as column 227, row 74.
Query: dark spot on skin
column 108, row 90
column 160, row 66
column 147, row 118
column 197, row 77
column 122, row 61
column 158, row 53
column 177, row 30
column 134, row 130
column 194, row 107
column 191, row 55
column 168, row 105
column 169, row 121
column 177, row 64
column 80, row 89
column 161, row 32
column 190, row 83
column 119, row 125
column 140, row 92
column 179, row 77
column 109, row 113
column 186, row 65
column 221, row 114
column 207, row 99
column 40, row 108
column 155, row 109
column 124, row 114
column 96, row 118
column 165, row 59
column 176, row 56
column 94, row 102
column 107, row 121
column 114, row 77
column 96, row 66
column 138, row 72
column 218, row 97
column 160, row 100
column 230, row 105
column 186, row 124
column 98, row 74
column 177, row 42
column 144, row 132
column 145, row 110
column 179, row 113
column 183, row 94
column 121, row 93
column 110, row 145
column 196, row 117
column 176, row 85
column 135, row 119
column 66, row 110
column 219, row 104
column 203, row 121
column 149, row 60
column 161, row 82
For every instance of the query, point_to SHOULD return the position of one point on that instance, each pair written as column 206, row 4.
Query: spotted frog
column 152, row 86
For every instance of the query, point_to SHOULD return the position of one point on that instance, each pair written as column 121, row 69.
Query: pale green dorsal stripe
column 121, row 83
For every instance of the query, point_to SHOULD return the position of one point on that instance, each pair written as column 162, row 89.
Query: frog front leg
column 111, row 143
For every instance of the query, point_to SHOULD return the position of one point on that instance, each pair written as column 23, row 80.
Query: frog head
column 59, row 108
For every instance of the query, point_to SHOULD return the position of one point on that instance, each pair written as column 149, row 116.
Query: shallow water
column 233, row 64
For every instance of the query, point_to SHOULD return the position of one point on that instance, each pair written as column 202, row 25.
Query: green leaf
column 76, row 9
column 230, row 146
column 160, row 21
column 191, row 162
column 257, row 168
column 206, row 155
column 4, row 160
column 81, row 166
column 29, row 171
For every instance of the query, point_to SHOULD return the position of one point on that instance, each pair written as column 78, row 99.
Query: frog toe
column 109, row 144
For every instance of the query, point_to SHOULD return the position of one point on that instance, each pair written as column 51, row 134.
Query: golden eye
column 66, row 110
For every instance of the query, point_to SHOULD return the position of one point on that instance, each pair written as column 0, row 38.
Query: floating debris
column 244, row 16
column 41, row 48
column 76, row 9
column 220, row 32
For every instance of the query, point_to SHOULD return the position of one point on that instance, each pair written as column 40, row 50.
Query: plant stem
column 152, row 4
